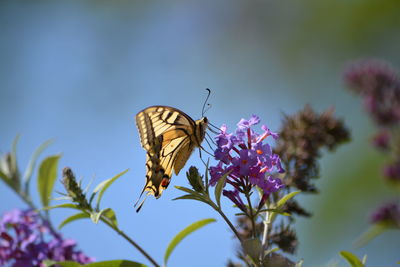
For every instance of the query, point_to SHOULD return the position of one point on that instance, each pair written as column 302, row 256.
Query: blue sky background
column 78, row 72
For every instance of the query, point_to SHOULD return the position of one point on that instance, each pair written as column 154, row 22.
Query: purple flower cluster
column 27, row 240
column 379, row 85
column 388, row 214
column 249, row 161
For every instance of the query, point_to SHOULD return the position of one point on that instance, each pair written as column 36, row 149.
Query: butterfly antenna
column 208, row 107
column 205, row 102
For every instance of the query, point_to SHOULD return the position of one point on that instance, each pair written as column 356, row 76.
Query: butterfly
column 169, row 137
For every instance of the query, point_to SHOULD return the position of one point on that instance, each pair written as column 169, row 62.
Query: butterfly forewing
column 169, row 136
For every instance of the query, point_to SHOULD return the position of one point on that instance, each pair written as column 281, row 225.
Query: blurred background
column 79, row 71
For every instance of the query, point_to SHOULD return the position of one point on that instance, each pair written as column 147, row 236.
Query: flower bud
column 195, row 179
column 73, row 189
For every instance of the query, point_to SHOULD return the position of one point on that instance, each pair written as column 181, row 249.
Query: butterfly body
column 169, row 137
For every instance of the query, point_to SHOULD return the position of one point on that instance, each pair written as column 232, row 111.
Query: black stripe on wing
column 165, row 113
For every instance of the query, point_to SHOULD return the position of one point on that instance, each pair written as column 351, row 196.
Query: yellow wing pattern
column 169, row 136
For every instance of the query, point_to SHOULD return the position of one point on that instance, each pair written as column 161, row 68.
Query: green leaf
column 253, row 248
column 67, row 264
column 285, row 198
column 192, row 195
column 107, row 213
column 62, row 198
column 32, row 163
column 351, row 259
column 181, row 235
column 102, row 187
column 5, row 179
column 115, row 263
column 65, row 205
column 48, row 263
column 189, row 196
column 372, row 232
column 218, row 188
column 110, row 215
column 46, row 177
column 95, row 216
column 187, row 190
column 91, row 198
column 275, row 211
column 88, row 186
column 280, row 203
column 78, row 216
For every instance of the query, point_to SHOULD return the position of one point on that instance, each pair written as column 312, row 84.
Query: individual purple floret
column 392, row 172
column 249, row 160
column 27, row 240
column 381, row 140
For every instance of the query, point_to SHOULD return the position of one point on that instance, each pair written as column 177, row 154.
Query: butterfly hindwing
column 182, row 156
column 154, row 170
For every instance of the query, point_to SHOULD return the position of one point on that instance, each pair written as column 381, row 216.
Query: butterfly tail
column 141, row 203
column 140, row 196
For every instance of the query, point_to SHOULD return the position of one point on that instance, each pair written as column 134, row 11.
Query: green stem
column 253, row 225
column 228, row 222
column 127, row 238
column 30, row 203
column 265, row 232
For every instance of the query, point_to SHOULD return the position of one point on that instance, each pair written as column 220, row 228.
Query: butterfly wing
column 158, row 120
column 169, row 137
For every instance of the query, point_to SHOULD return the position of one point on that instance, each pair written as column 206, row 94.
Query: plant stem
column 46, row 218
column 30, row 203
column 253, row 225
column 127, row 238
column 228, row 222
column 265, row 232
